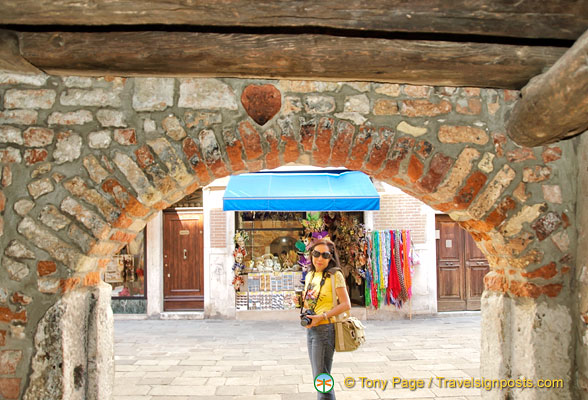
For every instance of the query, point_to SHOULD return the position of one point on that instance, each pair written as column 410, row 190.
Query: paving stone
column 243, row 348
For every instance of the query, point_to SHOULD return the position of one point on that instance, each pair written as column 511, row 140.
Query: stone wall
column 86, row 162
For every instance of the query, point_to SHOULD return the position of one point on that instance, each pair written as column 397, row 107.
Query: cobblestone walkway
column 263, row 360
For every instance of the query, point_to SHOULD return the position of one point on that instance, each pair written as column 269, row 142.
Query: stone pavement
column 265, row 360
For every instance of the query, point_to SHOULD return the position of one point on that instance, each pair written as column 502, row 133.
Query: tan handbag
column 349, row 331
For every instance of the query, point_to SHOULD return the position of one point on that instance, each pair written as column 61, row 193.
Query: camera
column 304, row 320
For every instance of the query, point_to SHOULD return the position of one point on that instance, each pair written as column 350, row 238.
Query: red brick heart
column 261, row 102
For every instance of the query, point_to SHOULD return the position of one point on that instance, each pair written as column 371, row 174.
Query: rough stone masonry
column 85, row 162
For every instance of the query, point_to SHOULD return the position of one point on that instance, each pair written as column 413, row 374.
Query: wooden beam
column 554, row 19
column 10, row 58
column 554, row 105
column 286, row 56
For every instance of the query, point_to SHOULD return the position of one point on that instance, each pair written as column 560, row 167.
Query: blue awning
column 333, row 190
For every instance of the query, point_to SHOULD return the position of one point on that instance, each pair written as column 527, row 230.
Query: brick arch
column 75, row 195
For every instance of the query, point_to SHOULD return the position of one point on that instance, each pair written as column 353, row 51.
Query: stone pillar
column 74, row 352
column 526, row 339
column 581, row 287
column 155, row 266
column 101, row 345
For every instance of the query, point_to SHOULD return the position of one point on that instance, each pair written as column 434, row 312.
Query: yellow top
column 325, row 301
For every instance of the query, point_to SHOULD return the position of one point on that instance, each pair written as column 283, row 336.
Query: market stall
column 279, row 214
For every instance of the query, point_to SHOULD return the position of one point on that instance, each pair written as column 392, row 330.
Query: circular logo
column 324, row 383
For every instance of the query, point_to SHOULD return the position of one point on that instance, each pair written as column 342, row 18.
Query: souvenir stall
column 278, row 216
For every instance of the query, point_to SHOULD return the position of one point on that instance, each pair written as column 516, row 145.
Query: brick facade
column 401, row 211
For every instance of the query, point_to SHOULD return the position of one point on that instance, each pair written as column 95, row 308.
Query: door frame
column 203, row 284
column 464, row 302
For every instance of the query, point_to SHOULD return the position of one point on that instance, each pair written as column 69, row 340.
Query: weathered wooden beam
column 286, row 56
column 555, row 19
column 554, row 105
column 10, row 58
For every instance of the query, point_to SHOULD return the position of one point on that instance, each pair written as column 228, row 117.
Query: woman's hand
column 315, row 320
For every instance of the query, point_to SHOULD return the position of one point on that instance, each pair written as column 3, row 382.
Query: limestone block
column 173, row 162
column 173, row 128
column 528, row 214
column 356, row 117
column 18, row 117
column 17, row 249
column 458, row 174
column 77, row 81
column 486, row 163
column 68, row 148
column 22, row 207
column 126, row 137
column 48, row 285
column 9, row 134
column 99, row 228
column 95, row 170
column 146, row 192
column 51, row 217
column 111, row 118
column 357, row 104
column 29, row 99
column 40, row 187
column 79, row 117
column 43, row 239
column 100, row 139
column 87, row 98
column 307, row 86
column 18, row 79
column 315, row 104
column 195, row 118
column 407, row 128
column 388, row 89
column 207, row 94
column 10, row 155
column 153, row 94
column 16, row 270
column 493, row 190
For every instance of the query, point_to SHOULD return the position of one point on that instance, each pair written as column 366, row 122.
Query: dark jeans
column 321, row 346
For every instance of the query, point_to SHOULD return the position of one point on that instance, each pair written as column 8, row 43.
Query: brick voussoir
column 147, row 194
column 118, row 235
column 173, row 162
column 125, row 201
column 99, row 228
column 105, row 248
column 344, row 135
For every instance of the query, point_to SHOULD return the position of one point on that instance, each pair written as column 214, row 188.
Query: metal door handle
column 185, row 254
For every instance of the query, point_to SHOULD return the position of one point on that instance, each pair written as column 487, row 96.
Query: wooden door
column 461, row 267
column 476, row 267
column 183, row 267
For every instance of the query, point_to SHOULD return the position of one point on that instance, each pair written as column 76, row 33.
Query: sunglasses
column 326, row 255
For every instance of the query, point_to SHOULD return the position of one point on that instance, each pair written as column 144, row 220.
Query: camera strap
column 324, row 278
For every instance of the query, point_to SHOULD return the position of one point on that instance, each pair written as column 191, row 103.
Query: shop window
column 269, row 274
column 126, row 271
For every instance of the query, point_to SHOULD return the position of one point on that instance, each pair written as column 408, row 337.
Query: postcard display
column 126, row 271
column 269, row 291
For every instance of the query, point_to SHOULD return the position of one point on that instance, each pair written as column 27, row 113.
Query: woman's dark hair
column 333, row 262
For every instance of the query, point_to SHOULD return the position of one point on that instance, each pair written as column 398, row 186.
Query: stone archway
column 86, row 163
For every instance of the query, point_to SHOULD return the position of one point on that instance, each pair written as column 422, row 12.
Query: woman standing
column 319, row 298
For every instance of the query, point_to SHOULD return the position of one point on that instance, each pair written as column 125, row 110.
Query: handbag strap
column 335, row 298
